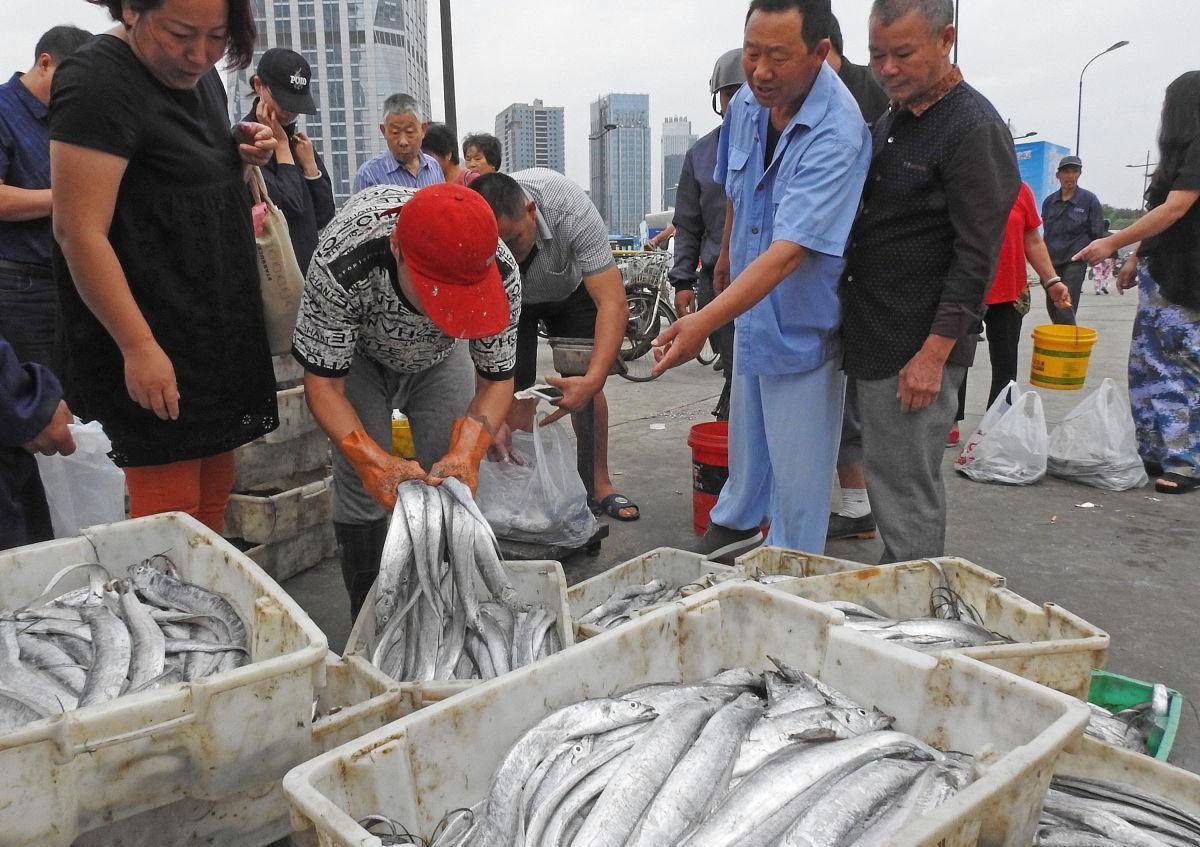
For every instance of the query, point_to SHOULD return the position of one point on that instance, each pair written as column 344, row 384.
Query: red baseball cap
column 447, row 238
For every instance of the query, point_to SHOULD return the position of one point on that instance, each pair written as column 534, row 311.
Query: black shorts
column 574, row 317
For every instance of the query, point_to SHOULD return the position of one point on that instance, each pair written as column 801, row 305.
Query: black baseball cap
column 1070, row 162
column 287, row 74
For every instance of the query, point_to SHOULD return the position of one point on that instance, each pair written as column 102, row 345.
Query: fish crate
column 1053, row 647
column 536, row 582
column 281, row 509
column 1116, row 693
column 356, row 699
column 779, row 560
column 676, row 568
column 1097, row 760
column 442, row 758
column 207, row 739
column 288, row 372
column 295, row 418
column 261, row 462
column 309, row 548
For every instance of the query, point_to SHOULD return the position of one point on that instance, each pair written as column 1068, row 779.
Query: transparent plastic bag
column 1010, row 445
column 85, row 488
column 541, row 499
column 1096, row 443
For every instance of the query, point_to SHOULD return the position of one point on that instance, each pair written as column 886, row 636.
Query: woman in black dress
column 157, row 269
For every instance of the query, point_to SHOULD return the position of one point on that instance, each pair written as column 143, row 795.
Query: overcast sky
column 1025, row 55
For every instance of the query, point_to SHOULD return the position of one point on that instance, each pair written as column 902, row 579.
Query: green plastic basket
column 1115, row 692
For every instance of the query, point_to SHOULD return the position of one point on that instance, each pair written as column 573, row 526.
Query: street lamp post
column 1079, row 114
column 448, row 68
column 1026, row 135
column 1145, row 176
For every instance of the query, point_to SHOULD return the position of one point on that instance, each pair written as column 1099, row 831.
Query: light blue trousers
column 783, row 445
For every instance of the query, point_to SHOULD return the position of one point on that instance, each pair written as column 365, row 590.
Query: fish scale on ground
column 663, row 775
column 115, row 637
column 445, row 607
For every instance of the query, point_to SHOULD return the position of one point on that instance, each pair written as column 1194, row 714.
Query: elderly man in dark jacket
column 33, row 419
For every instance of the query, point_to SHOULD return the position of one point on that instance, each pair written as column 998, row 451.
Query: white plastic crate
column 309, row 548
column 537, row 582
column 779, row 560
column 280, row 510
column 1097, row 760
column 1053, row 646
column 295, row 418
column 355, row 700
column 261, row 461
column 676, row 568
column 207, row 739
column 443, row 757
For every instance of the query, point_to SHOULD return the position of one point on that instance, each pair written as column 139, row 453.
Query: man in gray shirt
column 1072, row 219
column 571, row 282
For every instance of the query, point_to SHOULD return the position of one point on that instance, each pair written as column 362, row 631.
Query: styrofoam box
column 1097, row 760
column 356, row 699
column 536, row 582
column 262, row 461
column 309, row 548
column 1053, row 646
column 779, row 560
column 303, row 501
column 295, row 418
column 206, row 739
column 676, row 568
column 443, row 757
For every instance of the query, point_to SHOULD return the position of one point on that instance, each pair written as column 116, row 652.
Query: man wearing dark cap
column 400, row 276
column 296, row 178
column 1072, row 218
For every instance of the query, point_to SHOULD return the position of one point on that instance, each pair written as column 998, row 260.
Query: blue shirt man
column 24, row 163
column 402, row 163
column 384, row 169
column 793, row 156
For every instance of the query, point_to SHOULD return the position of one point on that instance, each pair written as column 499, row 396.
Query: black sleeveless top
column 182, row 232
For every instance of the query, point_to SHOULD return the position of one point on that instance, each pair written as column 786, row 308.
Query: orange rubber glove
column 378, row 469
column 469, row 443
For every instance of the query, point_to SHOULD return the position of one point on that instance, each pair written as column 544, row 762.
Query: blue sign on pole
column 1038, row 161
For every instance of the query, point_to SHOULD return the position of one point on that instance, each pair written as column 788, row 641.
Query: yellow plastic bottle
column 402, row 440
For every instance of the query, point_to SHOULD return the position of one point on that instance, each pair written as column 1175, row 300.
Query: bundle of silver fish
column 1130, row 728
column 952, row 623
column 445, row 607
column 110, row 638
column 1082, row 812
column 740, row 758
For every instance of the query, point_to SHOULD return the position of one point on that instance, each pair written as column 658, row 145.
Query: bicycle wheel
column 637, row 368
column 707, row 354
column 645, row 323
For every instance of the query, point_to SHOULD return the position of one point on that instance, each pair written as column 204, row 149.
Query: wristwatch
column 1046, row 285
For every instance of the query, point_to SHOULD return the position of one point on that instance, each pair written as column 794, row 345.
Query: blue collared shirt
column 24, row 163
column 809, row 196
column 385, row 170
column 1071, row 225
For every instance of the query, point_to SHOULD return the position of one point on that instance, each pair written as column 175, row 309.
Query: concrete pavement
column 1129, row 565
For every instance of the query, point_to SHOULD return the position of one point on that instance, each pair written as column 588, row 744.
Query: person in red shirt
column 1004, row 307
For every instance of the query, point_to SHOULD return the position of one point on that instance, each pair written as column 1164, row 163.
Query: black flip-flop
column 613, row 504
column 1153, row 468
column 1182, row 484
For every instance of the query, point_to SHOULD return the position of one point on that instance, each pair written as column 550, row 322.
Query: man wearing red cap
column 397, row 279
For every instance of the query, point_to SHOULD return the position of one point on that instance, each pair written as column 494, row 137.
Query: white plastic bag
column 85, row 488
column 1010, row 445
column 1096, row 444
column 542, row 500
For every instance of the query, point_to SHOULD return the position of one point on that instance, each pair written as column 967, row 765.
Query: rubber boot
column 361, row 547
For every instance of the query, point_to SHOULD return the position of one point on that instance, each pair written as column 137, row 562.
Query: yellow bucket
column 1060, row 356
column 402, row 440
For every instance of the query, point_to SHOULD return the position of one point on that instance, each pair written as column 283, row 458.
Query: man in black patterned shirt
column 398, row 278
column 922, row 254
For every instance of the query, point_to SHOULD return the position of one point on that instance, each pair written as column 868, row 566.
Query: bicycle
column 650, row 296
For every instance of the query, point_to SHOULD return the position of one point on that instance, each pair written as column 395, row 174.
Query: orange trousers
column 199, row 487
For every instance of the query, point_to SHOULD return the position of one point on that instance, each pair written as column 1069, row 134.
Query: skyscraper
column 677, row 139
column 360, row 51
column 620, row 160
column 532, row 135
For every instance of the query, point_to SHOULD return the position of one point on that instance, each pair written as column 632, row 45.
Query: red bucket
column 710, row 469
